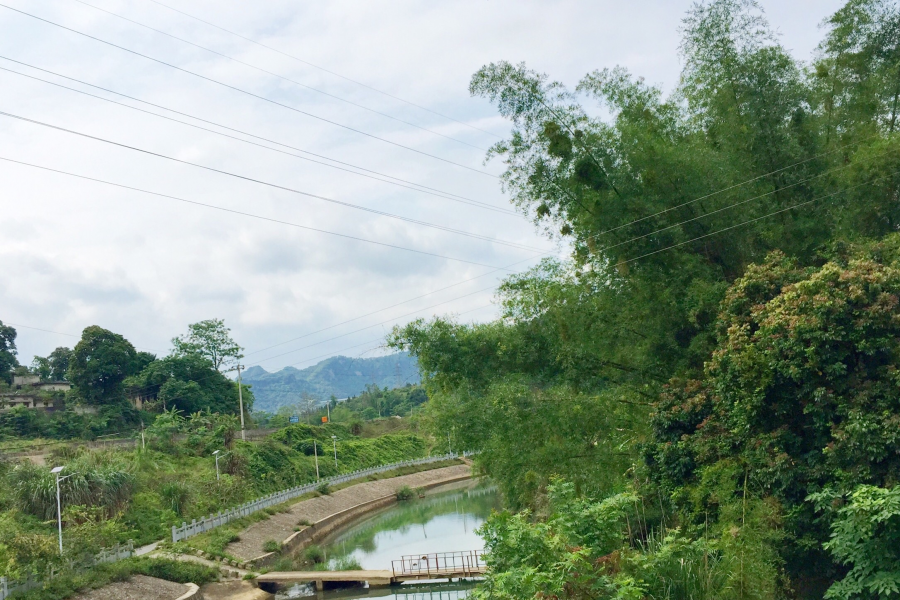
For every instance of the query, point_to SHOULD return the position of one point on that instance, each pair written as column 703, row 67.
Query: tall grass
column 93, row 480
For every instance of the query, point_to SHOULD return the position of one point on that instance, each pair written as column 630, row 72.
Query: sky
column 211, row 243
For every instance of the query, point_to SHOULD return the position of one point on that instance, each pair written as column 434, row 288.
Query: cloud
column 77, row 253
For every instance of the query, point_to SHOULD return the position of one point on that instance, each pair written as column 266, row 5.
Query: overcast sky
column 76, row 253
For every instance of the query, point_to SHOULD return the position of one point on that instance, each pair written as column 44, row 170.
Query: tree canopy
column 99, row 365
column 721, row 339
column 212, row 340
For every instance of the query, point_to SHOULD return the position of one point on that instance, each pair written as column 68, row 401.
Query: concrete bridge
column 439, row 565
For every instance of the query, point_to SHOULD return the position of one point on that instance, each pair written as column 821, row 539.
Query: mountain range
column 340, row 376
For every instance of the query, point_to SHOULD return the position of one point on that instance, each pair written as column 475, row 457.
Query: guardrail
column 440, row 564
column 35, row 580
column 205, row 524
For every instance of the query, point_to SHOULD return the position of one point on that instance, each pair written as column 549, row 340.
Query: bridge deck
column 372, row 576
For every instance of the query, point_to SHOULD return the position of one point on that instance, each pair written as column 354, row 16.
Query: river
column 444, row 520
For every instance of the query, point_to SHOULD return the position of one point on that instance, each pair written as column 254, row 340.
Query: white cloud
column 77, row 253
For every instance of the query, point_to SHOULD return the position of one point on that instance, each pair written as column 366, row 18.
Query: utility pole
column 241, row 401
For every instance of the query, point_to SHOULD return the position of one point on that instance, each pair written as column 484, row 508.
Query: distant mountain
column 338, row 375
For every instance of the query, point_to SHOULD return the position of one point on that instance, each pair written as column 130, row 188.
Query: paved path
column 280, row 526
column 137, row 587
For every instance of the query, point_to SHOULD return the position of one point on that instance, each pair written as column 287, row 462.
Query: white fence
column 212, row 521
column 34, row 581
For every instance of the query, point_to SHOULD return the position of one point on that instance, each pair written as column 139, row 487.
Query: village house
column 30, row 392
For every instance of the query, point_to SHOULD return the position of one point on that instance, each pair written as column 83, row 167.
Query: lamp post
column 334, row 443
column 56, row 471
column 241, row 401
column 216, row 454
column 316, row 453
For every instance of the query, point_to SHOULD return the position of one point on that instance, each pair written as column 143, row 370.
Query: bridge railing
column 209, row 522
column 440, row 564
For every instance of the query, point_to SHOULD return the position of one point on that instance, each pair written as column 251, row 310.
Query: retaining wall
column 324, row 527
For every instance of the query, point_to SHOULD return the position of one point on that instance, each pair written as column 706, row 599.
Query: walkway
column 280, row 526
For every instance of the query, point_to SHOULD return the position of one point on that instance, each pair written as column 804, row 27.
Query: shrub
column 271, row 546
column 176, row 494
column 314, row 554
column 405, row 493
column 324, row 489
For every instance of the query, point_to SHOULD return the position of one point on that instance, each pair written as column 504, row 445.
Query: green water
column 445, row 520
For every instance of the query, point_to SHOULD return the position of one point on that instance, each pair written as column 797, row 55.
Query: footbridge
column 438, row 565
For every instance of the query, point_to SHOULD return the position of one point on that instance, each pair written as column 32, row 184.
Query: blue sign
column 294, row 419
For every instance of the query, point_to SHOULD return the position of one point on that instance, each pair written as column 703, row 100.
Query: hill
column 341, row 376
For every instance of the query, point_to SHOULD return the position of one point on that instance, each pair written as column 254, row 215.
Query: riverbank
column 281, row 526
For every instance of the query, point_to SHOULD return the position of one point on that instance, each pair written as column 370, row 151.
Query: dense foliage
column 138, row 494
column 722, row 343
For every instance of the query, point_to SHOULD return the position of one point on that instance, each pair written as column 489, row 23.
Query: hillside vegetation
column 702, row 401
column 116, row 495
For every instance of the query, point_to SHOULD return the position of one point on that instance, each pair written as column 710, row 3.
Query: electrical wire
column 249, row 93
column 241, row 213
column 272, row 185
column 273, row 74
column 765, row 216
column 409, row 184
column 300, row 60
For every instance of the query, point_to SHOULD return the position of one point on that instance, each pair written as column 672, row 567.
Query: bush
column 405, row 493
column 324, row 489
column 175, row 570
column 176, row 494
column 314, row 554
column 271, row 546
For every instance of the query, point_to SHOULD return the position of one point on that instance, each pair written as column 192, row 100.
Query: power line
column 273, row 74
column 260, row 44
column 251, row 94
column 272, row 185
column 238, row 212
column 376, row 324
column 771, row 214
column 410, row 185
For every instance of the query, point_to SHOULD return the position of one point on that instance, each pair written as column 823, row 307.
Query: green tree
column 99, row 365
column 865, row 535
column 800, row 390
column 212, row 340
column 59, row 363
column 187, row 383
column 41, row 366
column 8, row 361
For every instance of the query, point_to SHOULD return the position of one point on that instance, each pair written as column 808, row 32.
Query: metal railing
column 467, row 563
column 209, row 522
column 35, row 580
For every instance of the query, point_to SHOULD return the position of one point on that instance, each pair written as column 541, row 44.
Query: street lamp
column 216, row 454
column 316, row 453
column 56, row 471
column 334, row 443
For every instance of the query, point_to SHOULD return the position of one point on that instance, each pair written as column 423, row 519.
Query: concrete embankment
column 328, row 513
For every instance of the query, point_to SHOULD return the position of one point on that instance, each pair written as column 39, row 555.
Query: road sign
column 324, row 419
column 294, row 419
